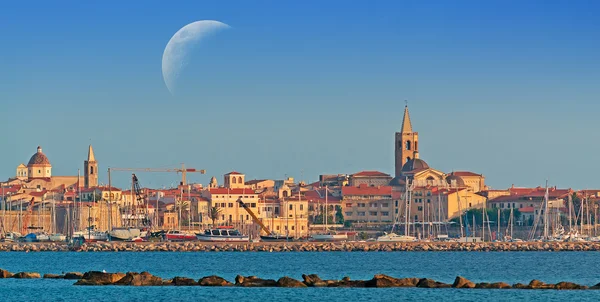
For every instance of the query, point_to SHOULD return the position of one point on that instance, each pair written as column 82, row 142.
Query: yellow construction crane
column 183, row 171
column 271, row 236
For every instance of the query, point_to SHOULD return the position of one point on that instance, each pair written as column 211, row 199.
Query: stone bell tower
column 406, row 144
column 90, row 167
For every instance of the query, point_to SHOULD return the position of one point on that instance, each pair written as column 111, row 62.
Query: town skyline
column 506, row 90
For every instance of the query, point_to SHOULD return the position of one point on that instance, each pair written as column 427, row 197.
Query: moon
column 177, row 51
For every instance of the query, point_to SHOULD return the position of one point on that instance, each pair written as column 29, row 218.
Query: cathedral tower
column 91, row 170
column 407, row 143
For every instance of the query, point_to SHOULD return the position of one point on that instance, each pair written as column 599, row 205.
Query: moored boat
column 275, row 238
column 92, row 236
column 329, row 236
column 124, row 234
column 393, row 237
column 58, row 238
column 222, row 235
column 177, row 235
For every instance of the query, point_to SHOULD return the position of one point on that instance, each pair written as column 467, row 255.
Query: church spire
column 91, row 157
column 406, row 125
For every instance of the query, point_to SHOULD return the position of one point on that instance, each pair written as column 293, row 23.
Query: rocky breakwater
column 304, row 247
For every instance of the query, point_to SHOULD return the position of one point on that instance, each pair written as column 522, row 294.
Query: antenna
column 406, row 103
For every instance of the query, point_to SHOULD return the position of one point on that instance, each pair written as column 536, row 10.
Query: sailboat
column 328, row 235
column 393, row 237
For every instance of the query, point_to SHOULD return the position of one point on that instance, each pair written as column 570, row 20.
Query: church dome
column 457, row 180
column 398, row 182
column 39, row 158
column 415, row 164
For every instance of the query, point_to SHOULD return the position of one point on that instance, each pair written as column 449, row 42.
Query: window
column 385, row 213
column 301, row 207
column 407, row 145
column 292, row 228
column 361, row 213
column 348, row 214
column 373, row 213
column 278, row 228
column 234, row 180
column 520, row 206
column 253, row 205
column 420, row 208
column 247, row 217
column 428, row 200
column 513, row 205
column 92, row 170
column 385, row 205
column 231, row 204
column 240, row 180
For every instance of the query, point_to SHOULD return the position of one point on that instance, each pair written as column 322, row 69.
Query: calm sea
column 510, row 267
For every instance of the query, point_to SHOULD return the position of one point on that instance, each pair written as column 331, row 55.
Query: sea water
column 510, row 267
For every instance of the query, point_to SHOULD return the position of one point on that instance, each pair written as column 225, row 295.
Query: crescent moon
column 179, row 46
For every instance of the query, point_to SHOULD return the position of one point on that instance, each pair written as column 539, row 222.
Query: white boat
column 222, row 235
column 58, row 238
column 42, row 237
column 124, row 234
column 393, row 237
column 91, row 236
column 11, row 237
column 330, row 236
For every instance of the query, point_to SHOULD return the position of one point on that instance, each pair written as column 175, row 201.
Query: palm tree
column 183, row 206
column 214, row 214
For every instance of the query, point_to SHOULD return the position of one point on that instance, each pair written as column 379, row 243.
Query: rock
column 387, row 281
column 181, row 281
column 73, row 276
column 312, row 280
column 569, row 285
column 289, row 282
column 214, row 281
column 346, row 282
column 597, row 286
column 53, row 276
column 483, row 285
column 461, row 282
column 143, row 279
column 5, row 274
column 519, row 286
column 253, row 281
column 26, row 275
column 429, row 283
column 99, row 278
column 499, row 285
column 537, row 284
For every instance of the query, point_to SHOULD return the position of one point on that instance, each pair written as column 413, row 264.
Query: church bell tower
column 91, row 170
column 406, row 144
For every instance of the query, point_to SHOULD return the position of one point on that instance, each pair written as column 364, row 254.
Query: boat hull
column 329, row 237
column 173, row 237
column 124, row 234
column 396, row 238
column 270, row 238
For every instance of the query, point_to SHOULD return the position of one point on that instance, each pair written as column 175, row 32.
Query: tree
column 339, row 216
column 214, row 213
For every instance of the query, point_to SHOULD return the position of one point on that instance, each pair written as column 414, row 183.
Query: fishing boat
column 222, row 234
column 392, row 237
column 177, row 235
column 124, row 234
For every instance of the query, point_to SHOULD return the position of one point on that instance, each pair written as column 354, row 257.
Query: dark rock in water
column 214, row 281
column 289, row 282
column 520, row 286
column 253, row 281
column 53, row 276
column 429, row 283
column 346, row 282
column 181, row 281
column 537, row 284
column 5, row 274
column 387, row 281
column 99, row 278
column 569, row 285
column 461, row 282
column 483, row 285
column 26, row 275
column 142, row 279
column 312, row 280
column 73, row 276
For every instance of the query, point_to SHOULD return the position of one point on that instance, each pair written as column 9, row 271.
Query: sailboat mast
column 462, row 232
column 406, row 207
column 326, row 205
column 546, row 212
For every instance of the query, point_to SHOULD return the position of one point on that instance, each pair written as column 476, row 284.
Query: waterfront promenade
column 302, row 247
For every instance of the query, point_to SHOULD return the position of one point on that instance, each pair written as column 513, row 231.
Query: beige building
column 226, row 199
column 369, row 178
column 366, row 203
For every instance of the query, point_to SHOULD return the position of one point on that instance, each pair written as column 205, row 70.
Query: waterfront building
column 369, row 178
column 370, row 204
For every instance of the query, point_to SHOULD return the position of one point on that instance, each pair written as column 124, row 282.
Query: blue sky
column 504, row 88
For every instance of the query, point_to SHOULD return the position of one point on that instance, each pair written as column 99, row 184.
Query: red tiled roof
column 370, row 174
column 37, row 194
column 231, row 191
column 234, row 173
column 367, row 190
column 465, row 173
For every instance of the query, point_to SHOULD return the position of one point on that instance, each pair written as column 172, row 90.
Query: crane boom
column 262, row 226
column 183, row 171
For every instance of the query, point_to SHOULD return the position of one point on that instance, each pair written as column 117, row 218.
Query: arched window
column 92, row 170
column 234, row 180
column 240, row 180
column 408, row 145
column 285, row 194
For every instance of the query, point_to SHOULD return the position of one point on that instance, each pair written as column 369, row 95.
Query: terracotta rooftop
column 370, row 174
column 231, row 191
column 465, row 173
column 367, row 190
